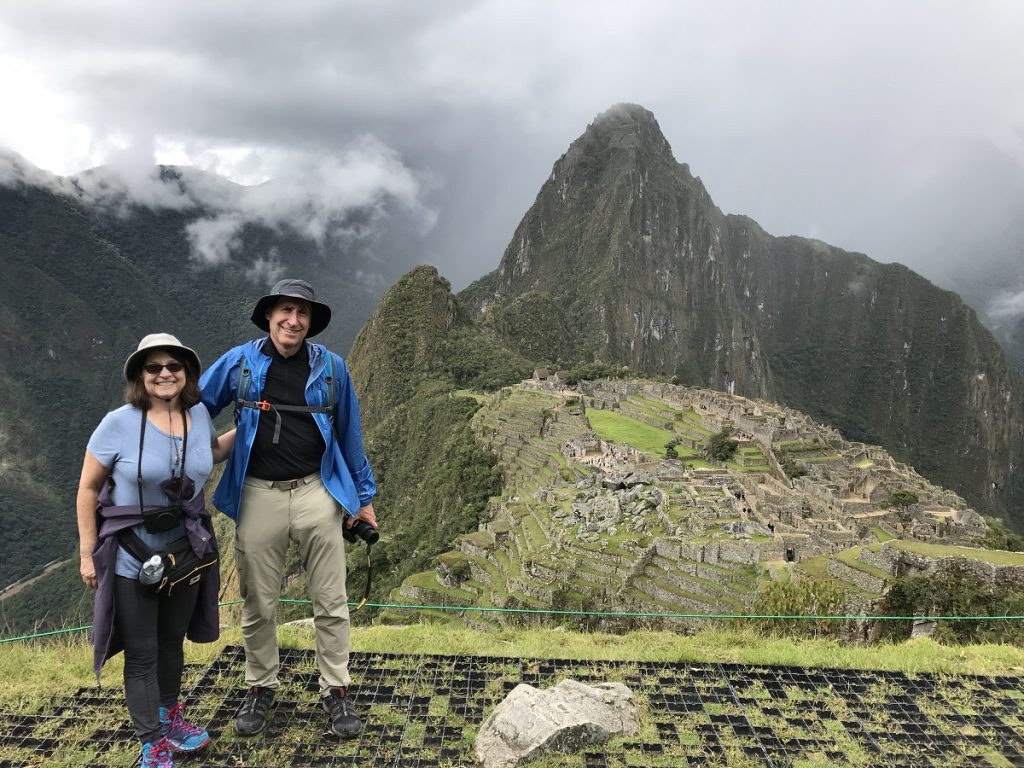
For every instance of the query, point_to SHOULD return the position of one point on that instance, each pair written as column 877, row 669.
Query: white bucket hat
column 164, row 341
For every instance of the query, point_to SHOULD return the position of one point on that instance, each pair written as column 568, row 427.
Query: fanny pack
column 179, row 564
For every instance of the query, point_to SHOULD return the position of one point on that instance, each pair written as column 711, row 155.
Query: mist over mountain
column 963, row 226
column 634, row 264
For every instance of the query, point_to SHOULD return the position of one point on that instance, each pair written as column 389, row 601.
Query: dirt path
column 12, row 589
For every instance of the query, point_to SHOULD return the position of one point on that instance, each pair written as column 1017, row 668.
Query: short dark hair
column 135, row 390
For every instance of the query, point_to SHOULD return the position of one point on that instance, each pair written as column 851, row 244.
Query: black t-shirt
column 300, row 446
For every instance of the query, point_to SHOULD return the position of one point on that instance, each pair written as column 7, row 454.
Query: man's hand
column 365, row 513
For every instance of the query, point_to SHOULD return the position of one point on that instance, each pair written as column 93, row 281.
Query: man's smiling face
column 289, row 324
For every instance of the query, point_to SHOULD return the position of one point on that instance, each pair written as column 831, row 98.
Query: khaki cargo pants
column 273, row 514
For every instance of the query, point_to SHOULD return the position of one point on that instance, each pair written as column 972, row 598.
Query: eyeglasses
column 155, row 368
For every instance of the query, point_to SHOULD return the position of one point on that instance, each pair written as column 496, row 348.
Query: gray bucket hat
column 166, row 341
column 297, row 289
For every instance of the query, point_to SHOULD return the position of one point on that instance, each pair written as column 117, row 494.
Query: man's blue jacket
column 345, row 470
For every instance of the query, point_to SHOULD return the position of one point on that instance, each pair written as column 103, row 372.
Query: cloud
column 127, row 180
column 1007, row 306
column 16, row 171
column 344, row 198
column 341, row 198
column 267, row 269
column 798, row 113
column 368, row 174
column 215, row 240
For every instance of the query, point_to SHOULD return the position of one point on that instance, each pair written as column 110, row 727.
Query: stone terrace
column 586, row 524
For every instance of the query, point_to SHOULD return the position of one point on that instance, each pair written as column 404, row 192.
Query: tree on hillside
column 901, row 500
column 955, row 594
column 670, row 448
column 591, row 371
column 792, row 468
column 721, row 446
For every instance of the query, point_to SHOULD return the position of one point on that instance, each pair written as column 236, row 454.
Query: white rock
column 566, row 718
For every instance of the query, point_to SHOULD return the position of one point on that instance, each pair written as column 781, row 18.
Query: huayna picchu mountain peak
column 628, row 127
column 624, row 258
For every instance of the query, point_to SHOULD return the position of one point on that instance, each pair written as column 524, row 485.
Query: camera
column 362, row 530
column 163, row 519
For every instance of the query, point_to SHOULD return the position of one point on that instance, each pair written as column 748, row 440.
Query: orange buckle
column 263, row 405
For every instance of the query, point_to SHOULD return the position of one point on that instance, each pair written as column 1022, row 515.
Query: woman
column 148, row 507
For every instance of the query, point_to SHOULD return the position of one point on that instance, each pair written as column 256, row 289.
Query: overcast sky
column 815, row 118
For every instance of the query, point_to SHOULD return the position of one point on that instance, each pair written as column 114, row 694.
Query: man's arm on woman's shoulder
column 219, row 382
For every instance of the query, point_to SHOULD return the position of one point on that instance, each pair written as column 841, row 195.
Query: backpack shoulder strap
column 244, row 383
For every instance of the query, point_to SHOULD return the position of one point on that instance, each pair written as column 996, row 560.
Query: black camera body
column 360, row 529
column 161, row 520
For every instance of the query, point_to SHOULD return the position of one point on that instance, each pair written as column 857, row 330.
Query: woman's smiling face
column 163, row 383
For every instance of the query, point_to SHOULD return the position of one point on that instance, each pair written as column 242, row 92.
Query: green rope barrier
column 44, row 634
column 600, row 614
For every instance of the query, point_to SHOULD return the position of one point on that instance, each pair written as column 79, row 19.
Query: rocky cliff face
column 631, row 261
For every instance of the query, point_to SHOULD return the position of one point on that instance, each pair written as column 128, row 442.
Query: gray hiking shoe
column 251, row 717
column 344, row 720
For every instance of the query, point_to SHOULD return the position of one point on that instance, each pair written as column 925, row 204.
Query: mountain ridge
column 644, row 270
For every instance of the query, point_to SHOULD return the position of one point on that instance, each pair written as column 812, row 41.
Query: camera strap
column 369, row 579
column 184, row 450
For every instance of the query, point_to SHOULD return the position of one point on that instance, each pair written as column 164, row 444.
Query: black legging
column 153, row 629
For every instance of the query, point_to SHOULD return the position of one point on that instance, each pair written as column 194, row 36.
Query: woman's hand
column 88, row 571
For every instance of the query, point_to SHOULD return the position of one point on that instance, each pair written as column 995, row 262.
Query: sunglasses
column 155, row 368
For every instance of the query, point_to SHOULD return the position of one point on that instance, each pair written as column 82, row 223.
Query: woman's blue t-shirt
column 115, row 444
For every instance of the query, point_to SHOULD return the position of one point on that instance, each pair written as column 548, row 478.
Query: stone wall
column 885, row 559
column 900, row 562
column 866, row 581
column 717, row 551
column 818, row 519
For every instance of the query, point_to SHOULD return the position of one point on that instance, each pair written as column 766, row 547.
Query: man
column 298, row 473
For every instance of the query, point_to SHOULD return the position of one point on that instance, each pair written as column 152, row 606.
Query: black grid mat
column 423, row 712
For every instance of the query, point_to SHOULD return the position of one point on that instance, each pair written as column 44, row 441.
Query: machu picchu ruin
column 610, row 503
